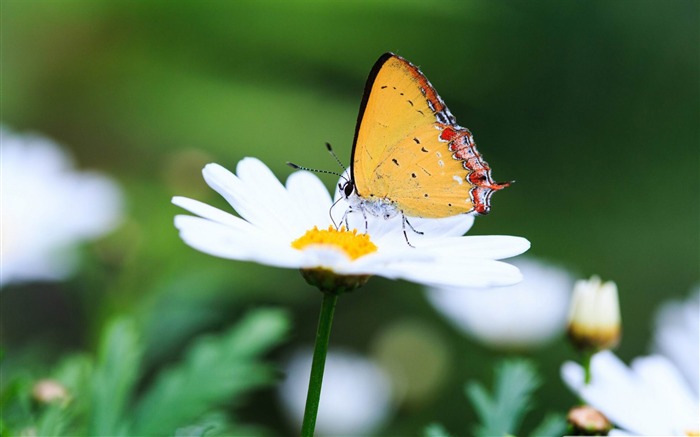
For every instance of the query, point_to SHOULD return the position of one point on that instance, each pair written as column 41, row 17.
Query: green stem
column 323, row 334
column 587, row 357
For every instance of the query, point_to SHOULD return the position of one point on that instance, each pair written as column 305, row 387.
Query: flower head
column 594, row 316
column 522, row 316
column 649, row 398
column 287, row 226
column 677, row 336
column 48, row 208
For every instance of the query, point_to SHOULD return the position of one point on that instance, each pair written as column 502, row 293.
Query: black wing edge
column 363, row 104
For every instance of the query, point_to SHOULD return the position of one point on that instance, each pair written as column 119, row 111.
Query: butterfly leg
column 364, row 214
column 343, row 219
column 404, row 222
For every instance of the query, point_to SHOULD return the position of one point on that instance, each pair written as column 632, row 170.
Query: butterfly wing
column 409, row 150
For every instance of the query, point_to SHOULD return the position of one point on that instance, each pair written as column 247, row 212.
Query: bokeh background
column 592, row 107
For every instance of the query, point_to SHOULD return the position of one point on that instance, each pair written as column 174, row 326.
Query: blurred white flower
column 290, row 227
column 47, row 208
column 649, row 398
column 355, row 397
column 594, row 317
column 677, row 336
column 522, row 316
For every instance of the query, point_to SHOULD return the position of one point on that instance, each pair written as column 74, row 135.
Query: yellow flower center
column 351, row 243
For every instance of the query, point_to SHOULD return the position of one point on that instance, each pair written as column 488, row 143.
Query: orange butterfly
column 409, row 155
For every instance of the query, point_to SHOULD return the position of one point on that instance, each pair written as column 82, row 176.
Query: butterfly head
column 347, row 188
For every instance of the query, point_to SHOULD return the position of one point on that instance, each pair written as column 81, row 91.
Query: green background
column 591, row 106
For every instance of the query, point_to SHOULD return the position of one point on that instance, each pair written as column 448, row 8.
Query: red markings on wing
column 461, row 144
column 426, row 88
column 464, row 149
column 448, row 134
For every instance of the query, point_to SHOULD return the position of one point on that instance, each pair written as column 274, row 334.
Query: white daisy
column 286, row 226
column 649, row 398
column 522, row 316
column 356, row 393
column 677, row 336
column 47, row 208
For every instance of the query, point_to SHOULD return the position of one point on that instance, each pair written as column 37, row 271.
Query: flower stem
column 318, row 364
column 587, row 357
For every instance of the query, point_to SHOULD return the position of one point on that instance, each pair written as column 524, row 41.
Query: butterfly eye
column 348, row 188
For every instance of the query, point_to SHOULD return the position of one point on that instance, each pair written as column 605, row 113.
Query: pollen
column 353, row 244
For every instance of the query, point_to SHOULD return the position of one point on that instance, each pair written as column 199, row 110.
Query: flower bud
column 587, row 420
column 594, row 315
column 46, row 391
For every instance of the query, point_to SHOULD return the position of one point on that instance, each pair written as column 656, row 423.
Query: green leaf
column 552, row 425
column 16, row 404
column 52, row 420
column 114, row 377
column 67, row 417
column 435, row 430
column 502, row 412
column 217, row 369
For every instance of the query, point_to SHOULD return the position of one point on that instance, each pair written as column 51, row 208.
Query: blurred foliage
column 104, row 398
column 501, row 413
column 592, row 106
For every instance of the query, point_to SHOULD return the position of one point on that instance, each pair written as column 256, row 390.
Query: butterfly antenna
column 315, row 170
column 330, row 149
column 332, row 152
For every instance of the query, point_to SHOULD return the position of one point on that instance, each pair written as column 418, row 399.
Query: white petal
column 526, row 315
column 671, row 392
column 481, row 246
column 259, row 180
column 677, row 336
column 248, row 199
column 620, row 395
column 226, row 242
column 48, row 208
column 311, row 198
column 444, row 227
column 467, row 273
column 214, row 214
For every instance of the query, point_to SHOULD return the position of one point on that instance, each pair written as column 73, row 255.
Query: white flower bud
column 594, row 316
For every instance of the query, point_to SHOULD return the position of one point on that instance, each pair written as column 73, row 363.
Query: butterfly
column 409, row 155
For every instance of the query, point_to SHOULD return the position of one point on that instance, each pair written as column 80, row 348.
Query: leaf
column 551, row 426
column 215, row 370
column 435, row 430
column 114, row 377
column 67, row 417
column 502, row 412
column 52, row 421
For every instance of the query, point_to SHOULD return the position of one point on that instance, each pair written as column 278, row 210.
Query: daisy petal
column 311, row 198
column 481, row 246
column 225, row 242
column 670, row 390
column 447, row 273
column 248, row 201
column 214, row 214
column 259, row 179
column 630, row 399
